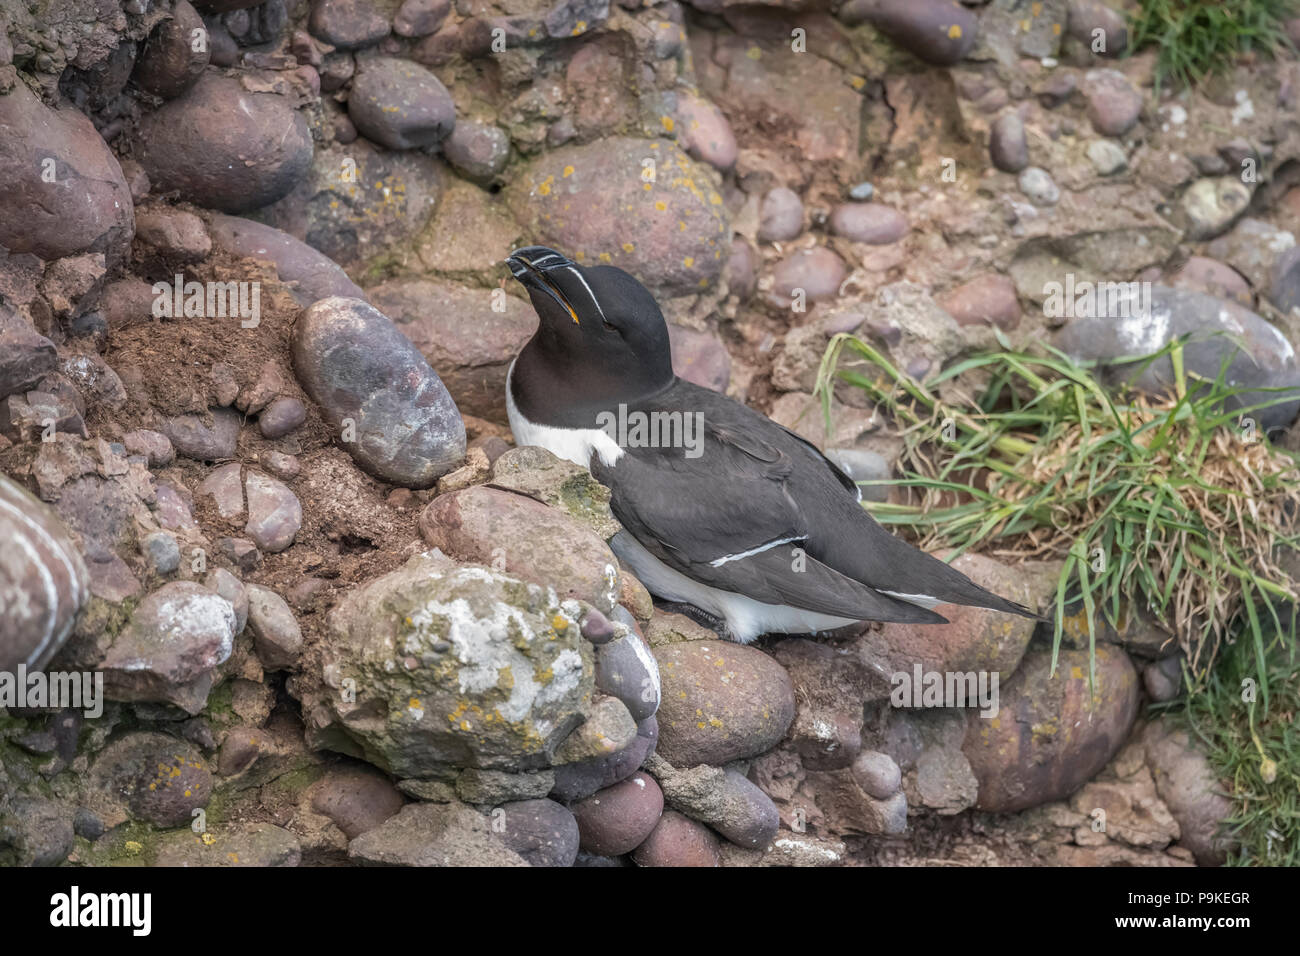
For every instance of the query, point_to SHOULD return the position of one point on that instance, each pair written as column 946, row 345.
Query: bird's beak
column 531, row 264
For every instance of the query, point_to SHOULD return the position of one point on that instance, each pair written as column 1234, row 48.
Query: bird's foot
column 702, row 618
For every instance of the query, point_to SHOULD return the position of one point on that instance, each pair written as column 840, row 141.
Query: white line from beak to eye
column 549, row 255
column 589, row 292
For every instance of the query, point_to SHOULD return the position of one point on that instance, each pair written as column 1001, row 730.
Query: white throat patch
column 571, row 444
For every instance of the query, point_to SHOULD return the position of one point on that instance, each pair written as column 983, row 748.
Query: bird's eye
column 609, row 326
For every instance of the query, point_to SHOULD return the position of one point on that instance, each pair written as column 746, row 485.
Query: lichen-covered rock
column 536, row 473
column 400, row 104
column 724, row 799
column 524, row 538
column 391, row 411
column 167, row 652
column 1051, row 734
column 434, row 665
column 43, row 580
column 429, row 834
column 233, row 844
column 641, row 205
column 152, row 777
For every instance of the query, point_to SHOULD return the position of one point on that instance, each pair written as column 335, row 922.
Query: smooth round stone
column 862, row 465
column 419, row 18
column 781, row 215
column 677, row 840
column 742, row 271
column 1214, row 278
column 1008, row 147
column 160, row 779
column 721, row 702
column 155, row 446
column 704, row 132
column 990, row 299
column 541, row 831
column 233, row 590
column 597, row 628
column 162, row 552
column 617, row 820
column 43, row 580
column 220, row 146
column 274, row 512
column 347, row 24
column 1085, row 17
column 276, row 634
column 573, row 781
column 937, row 31
column 1038, row 185
column 169, row 64
column 626, row 669
column 1113, row 103
column 478, row 151
column 400, row 104
column 281, row 416
column 700, row 358
column 356, row 797
column 375, row 388
column 284, row 467
column 868, row 222
column 1107, row 157
column 817, row 271
column 862, row 192
column 877, row 774
column 1163, row 679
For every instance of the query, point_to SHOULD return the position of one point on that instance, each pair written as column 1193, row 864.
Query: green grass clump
column 1166, row 507
column 1256, row 748
column 1200, row 38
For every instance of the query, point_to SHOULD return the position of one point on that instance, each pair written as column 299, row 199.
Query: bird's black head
column 602, row 338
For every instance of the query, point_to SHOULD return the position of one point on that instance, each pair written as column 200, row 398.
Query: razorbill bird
column 733, row 514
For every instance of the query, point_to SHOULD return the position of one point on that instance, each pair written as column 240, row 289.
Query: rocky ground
column 340, row 618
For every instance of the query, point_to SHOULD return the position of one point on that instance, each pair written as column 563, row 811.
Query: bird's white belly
column 571, row 444
column 745, row 617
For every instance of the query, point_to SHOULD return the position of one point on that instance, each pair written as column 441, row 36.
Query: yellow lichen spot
column 753, row 53
column 1056, row 29
column 233, row 857
column 688, row 261
column 1076, row 673
column 628, row 247
column 660, row 205
column 580, row 28
column 647, row 187
column 188, row 794
column 133, row 846
column 715, row 199
column 1036, row 9
column 414, row 703
column 579, row 255
column 654, row 145
column 1024, row 25
column 568, row 171
column 605, row 257
column 668, row 122
column 703, row 283
column 857, row 82
column 533, row 32
column 559, row 622
column 208, row 839
column 681, row 226
column 954, row 32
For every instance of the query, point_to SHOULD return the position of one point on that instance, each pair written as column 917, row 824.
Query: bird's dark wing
column 725, row 515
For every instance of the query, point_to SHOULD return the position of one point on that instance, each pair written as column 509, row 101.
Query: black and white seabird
column 754, row 526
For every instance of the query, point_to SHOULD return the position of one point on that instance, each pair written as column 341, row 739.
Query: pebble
column 168, row 63
column 232, row 589
column 989, row 299
column 1037, row 184
column 626, row 669
column 159, row 778
column 155, row 446
column 817, row 271
column 862, row 192
column 347, row 24
column 400, row 104
column 478, row 151
column 224, row 485
column 543, row 832
column 877, row 774
column 43, row 591
column 703, row 130
column 276, row 634
column 162, row 552
column 780, row 216
column 368, row 377
column 721, row 702
column 356, row 797
column 282, row 416
column 311, row 275
column 418, row 18
column 677, row 840
column 937, row 31
column 1008, row 147
column 274, row 512
column 1107, row 157
column 617, row 820
column 872, row 223
column 1113, row 103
